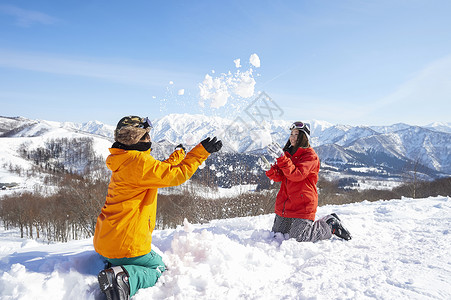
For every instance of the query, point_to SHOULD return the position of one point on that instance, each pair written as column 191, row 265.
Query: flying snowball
column 190, row 139
column 255, row 60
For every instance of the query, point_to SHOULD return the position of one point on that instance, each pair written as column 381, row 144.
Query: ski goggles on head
column 145, row 123
column 297, row 125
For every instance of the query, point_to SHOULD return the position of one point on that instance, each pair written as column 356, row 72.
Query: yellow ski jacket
column 125, row 225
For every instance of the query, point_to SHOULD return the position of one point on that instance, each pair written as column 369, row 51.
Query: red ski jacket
column 298, row 196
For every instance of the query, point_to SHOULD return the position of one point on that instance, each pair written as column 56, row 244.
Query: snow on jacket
column 125, row 225
column 297, row 197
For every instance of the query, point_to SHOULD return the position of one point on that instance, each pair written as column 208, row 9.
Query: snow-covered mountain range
column 377, row 150
column 390, row 148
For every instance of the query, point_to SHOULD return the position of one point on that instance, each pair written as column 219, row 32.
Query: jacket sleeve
column 299, row 171
column 158, row 174
column 275, row 174
column 176, row 157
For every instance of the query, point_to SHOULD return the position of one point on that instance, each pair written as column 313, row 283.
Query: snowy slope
column 7, row 123
column 27, row 134
column 438, row 126
column 400, row 250
column 93, row 127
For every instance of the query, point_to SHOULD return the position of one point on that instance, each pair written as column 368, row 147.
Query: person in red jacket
column 297, row 167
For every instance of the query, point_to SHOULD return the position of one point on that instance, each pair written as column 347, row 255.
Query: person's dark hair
column 302, row 142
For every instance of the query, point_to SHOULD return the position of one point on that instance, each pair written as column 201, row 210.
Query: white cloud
column 26, row 18
column 255, row 60
column 181, row 92
column 237, row 63
column 134, row 74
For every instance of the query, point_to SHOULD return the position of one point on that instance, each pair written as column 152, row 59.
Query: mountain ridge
column 392, row 148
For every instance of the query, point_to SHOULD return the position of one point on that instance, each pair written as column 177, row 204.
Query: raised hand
column 274, row 150
column 213, row 145
column 263, row 163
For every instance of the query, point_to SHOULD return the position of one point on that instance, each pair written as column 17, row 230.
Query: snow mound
column 400, row 249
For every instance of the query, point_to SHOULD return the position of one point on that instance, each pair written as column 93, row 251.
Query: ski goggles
column 145, row 123
column 297, row 125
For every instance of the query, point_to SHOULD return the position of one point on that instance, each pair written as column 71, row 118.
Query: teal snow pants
column 143, row 271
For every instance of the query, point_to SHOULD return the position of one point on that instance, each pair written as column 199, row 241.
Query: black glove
column 212, row 146
column 180, row 146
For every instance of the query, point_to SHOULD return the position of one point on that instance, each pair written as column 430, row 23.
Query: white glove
column 264, row 163
column 275, row 150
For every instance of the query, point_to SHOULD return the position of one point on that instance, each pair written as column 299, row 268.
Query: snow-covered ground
column 364, row 182
column 367, row 184
column 401, row 249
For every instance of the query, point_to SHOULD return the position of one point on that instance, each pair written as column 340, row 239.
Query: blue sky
column 345, row 62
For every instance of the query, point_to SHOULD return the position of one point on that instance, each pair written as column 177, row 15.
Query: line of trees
column 64, row 155
column 71, row 213
column 331, row 192
column 66, row 215
column 74, row 186
column 173, row 209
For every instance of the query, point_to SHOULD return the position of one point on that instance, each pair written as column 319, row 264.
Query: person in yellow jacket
column 123, row 233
